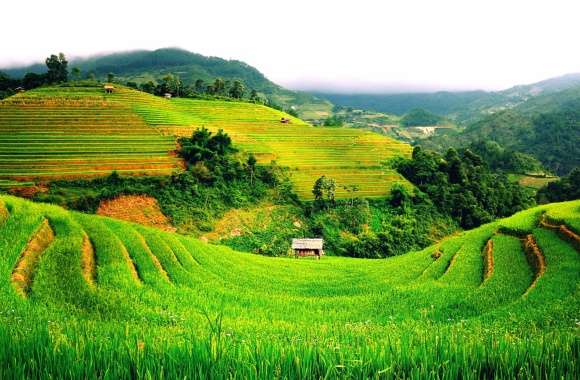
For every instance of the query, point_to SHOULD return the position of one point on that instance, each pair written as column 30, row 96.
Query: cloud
column 342, row 44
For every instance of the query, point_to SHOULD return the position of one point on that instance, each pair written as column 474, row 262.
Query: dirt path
column 488, row 264
column 88, row 262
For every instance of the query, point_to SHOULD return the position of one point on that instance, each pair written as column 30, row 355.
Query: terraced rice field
column 84, row 296
column 351, row 157
column 66, row 132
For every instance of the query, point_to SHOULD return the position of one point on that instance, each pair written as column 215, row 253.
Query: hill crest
column 141, row 66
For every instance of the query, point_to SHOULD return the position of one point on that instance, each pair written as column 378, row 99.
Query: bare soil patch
column 140, row 209
column 488, row 260
column 4, row 214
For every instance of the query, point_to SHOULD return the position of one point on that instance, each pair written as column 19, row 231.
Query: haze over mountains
column 144, row 65
column 459, row 104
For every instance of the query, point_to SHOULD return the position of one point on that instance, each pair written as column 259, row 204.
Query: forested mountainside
column 546, row 127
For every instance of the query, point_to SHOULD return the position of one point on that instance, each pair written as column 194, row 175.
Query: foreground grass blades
column 161, row 305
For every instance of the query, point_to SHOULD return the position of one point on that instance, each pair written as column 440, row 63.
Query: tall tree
column 219, row 86
column 57, row 68
column 237, row 90
column 199, row 86
column 251, row 164
column 76, row 73
column 254, row 95
column 324, row 191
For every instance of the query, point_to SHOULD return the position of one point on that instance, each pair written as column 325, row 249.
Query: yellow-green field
column 350, row 156
column 69, row 132
column 60, row 132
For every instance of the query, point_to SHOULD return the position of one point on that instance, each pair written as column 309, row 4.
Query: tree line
column 172, row 84
column 57, row 72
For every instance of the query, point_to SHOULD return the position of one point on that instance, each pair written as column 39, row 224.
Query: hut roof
column 108, row 87
column 307, row 243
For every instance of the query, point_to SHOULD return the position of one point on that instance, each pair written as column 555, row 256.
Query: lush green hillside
column 55, row 132
column 546, row 127
column 91, row 297
column 418, row 117
column 143, row 66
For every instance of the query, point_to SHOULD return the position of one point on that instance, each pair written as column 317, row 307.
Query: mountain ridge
column 141, row 66
column 463, row 106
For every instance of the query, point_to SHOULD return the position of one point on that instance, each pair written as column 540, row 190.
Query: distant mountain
column 551, row 85
column 143, row 65
column 441, row 103
column 463, row 107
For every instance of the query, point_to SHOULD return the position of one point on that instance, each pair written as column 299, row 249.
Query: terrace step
column 536, row 260
column 23, row 273
column 88, row 261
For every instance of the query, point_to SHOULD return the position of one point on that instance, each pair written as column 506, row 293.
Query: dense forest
column 565, row 189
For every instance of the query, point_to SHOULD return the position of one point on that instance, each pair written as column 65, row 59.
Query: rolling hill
column 71, row 132
column 91, row 297
column 464, row 106
column 144, row 65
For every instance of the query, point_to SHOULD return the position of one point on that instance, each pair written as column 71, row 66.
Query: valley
column 166, row 214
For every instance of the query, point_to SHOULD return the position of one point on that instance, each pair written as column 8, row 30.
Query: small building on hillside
column 308, row 247
column 284, row 120
column 167, row 95
column 20, row 89
column 108, row 88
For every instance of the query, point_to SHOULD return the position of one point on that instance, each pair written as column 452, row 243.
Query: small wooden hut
column 284, row 120
column 167, row 95
column 308, row 247
column 108, row 88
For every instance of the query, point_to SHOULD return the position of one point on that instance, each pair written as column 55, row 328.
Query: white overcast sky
column 358, row 45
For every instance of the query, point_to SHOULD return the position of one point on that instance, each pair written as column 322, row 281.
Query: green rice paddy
column 160, row 305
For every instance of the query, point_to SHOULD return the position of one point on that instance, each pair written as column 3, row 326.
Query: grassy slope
column 199, row 309
column 72, row 131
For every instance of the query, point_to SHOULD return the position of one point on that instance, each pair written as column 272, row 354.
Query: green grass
column 224, row 314
column 69, row 132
